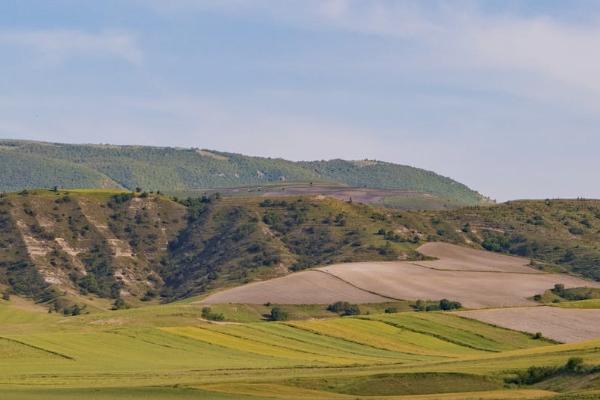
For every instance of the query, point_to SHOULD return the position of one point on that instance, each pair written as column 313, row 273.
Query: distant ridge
column 31, row 164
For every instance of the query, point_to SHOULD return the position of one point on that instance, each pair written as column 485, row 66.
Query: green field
column 169, row 352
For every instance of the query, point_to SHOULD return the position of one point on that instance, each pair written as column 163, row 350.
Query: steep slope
column 37, row 164
column 66, row 247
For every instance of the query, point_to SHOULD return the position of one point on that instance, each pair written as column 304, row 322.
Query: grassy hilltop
column 29, row 165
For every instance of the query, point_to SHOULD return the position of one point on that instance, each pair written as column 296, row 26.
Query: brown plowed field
column 307, row 287
column 485, row 280
column 561, row 324
column 453, row 257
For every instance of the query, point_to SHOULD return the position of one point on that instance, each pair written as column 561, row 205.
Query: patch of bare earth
column 477, row 279
column 306, row 287
column 119, row 248
column 474, row 289
column 453, row 257
column 561, row 324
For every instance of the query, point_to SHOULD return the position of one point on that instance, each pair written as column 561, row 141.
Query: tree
column 559, row 289
column 119, row 304
column 446, row 305
column 344, row 308
column 420, row 305
column 574, row 364
column 211, row 316
column 277, row 314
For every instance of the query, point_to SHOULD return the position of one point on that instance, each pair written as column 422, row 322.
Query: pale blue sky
column 503, row 96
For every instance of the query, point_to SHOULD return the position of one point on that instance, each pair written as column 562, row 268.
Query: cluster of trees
column 536, row 374
column 574, row 294
column 208, row 314
column 278, row 314
column 344, row 308
column 442, row 305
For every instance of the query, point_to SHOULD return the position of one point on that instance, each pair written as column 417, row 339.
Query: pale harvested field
column 404, row 280
column 307, row 287
column 480, row 283
column 560, row 324
column 453, row 257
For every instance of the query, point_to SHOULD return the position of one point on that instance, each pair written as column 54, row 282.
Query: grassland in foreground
column 169, row 352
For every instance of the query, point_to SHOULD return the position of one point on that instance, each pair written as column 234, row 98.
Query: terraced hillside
column 167, row 352
column 30, row 165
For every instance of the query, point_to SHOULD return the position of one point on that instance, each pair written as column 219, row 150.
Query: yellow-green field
column 169, row 352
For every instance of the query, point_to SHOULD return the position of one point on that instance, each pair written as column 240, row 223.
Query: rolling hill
column 103, row 249
column 31, row 165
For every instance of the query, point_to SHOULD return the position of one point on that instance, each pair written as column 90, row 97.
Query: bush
column 120, row 304
column 391, row 310
column 537, row 336
column 443, row 305
column 6, row 296
column 277, row 314
column 344, row 308
column 73, row 310
column 535, row 374
column 211, row 316
column 446, row 305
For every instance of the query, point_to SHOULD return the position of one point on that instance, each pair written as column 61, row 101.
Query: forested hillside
column 117, row 248
column 29, row 165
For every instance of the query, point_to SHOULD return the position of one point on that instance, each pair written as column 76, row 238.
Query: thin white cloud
column 58, row 45
column 535, row 56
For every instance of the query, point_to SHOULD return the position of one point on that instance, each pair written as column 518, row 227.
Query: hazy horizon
column 500, row 96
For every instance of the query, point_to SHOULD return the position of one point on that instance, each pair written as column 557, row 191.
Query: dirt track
column 477, row 279
column 560, row 324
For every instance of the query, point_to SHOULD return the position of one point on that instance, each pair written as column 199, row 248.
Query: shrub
column 446, row 305
column 420, row 305
column 344, row 308
column 120, row 304
column 277, row 314
column 6, row 296
column 535, row 374
column 211, row 316
column 391, row 310
column 537, row 335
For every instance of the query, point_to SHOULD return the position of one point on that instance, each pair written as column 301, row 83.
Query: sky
column 503, row 96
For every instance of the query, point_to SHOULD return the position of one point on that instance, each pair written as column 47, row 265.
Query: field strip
column 54, row 353
column 274, row 345
column 565, row 325
column 356, row 286
column 280, row 391
column 437, row 336
column 324, row 345
column 252, row 346
column 487, row 271
column 421, row 356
